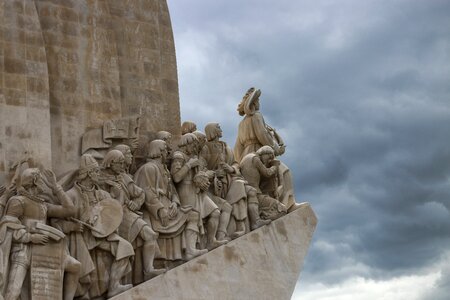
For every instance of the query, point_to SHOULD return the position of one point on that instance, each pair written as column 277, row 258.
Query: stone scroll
column 46, row 272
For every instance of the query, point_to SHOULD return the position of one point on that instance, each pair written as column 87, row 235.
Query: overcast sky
column 360, row 92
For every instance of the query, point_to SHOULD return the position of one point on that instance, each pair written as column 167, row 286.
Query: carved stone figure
column 28, row 244
column 185, row 167
column 133, row 227
column 164, row 210
column 219, row 158
column 188, row 127
column 128, row 155
column 254, row 167
column 166, row 137
column 104, row 255
column 254, row 133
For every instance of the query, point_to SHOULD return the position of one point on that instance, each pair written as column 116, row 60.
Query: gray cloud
column 360, row 92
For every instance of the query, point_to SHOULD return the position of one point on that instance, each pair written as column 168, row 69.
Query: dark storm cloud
column 360, row 92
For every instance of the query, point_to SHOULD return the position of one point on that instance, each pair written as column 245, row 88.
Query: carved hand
column 229, row 169
column 132, row 206
column 77, row 227
column 273, row 169
column 38, row 238
column 193, row 162
column 173, row 211
column 49, row 179
column 204, row 186
column 281, row 150
column 164, row 216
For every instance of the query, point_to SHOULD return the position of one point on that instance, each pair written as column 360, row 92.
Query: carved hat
column 112, row 156
column 87, row 163
column 245, row 106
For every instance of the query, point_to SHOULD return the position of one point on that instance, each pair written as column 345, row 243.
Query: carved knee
column 215, row 214
column 193, row 216
column 147, row 234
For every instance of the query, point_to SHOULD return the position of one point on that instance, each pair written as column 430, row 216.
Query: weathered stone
column 264, row 264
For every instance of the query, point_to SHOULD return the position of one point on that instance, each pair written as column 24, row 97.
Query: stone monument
column 97, row 201
column 71, row 65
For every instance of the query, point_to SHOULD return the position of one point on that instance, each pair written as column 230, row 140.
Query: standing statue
column 253, row 133
column 33, row 246
column 164, row 210
column 133, row 227
column 185, row 167
column 254, row 167
column 219, row 158
column 104, row 255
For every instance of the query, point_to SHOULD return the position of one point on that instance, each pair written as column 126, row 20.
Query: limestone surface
column 263, row 264
column 69, row 65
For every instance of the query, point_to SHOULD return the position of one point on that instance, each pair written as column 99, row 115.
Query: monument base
column 263, row 264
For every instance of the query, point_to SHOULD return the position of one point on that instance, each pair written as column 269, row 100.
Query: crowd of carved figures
column 138, row 206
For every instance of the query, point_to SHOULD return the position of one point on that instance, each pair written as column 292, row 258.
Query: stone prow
column 263, row 264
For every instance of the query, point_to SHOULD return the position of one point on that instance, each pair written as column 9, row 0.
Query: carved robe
column 154, row 178
column 253, row 133
column 189, row 194
column 95, row 254
column 254, row 171
column 215, row 152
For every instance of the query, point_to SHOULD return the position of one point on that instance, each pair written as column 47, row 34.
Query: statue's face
column 256, row 104
column 94, row 174
column 39, row 182
column 267, row 159
column 218, row 131
column 164, row 152
column 118, row 166
column 191, row 148
column 128, row 157
column 201, row 143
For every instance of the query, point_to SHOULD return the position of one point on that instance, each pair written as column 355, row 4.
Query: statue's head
column 266, row 153
column 157, row 149
column 212, row 131
column 115, row 161
column 188, row 143
column 201, row 137
column 164, row 136
column 32, row 177
column 188, row 127
column 126, row 151
column 250, row 102
column 89, row 168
